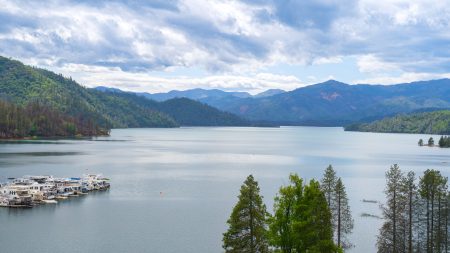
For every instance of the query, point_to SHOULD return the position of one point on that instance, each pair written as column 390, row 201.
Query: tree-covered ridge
column 188, row 112
column 330, row 103
column 128, row 110
column 436, row 122
column 183, row 111
column 24, row 85
column 338, row 104
column 39, row 120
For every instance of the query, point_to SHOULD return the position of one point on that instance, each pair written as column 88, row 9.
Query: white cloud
column 327, row 60
column 372, row 64
column 234, row 41
column 402, row 78
column 92, row 76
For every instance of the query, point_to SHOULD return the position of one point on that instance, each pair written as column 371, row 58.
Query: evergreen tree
column 431, row 142
column 247, row 232
column 328, row 187
column 312, row 228
column 344, row 220
column 444, row 142
column 328, row 184
column 281, row 233
column 420, row 142
column 388, row 240
column 416, row 216
column 441, row 141
column 433, row 190
column 342, row 223
column 410, row 192
column 302, row 219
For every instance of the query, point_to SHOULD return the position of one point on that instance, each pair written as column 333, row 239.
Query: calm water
column 173, row 189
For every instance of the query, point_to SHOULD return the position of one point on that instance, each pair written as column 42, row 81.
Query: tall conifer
column 247, row 232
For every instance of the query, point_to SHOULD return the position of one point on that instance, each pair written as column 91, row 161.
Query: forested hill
column 331, row 103
column 184, row 111
column 188, row 112
column 36, row 119
column 338, row 104
column 436, row 122
column 22, row 85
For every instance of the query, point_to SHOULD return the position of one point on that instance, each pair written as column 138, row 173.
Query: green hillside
column 188, row 112
column 36, row 119
column 22, row 85
column 436, row 122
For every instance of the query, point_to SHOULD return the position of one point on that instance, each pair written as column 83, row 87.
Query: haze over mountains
column 331, row 103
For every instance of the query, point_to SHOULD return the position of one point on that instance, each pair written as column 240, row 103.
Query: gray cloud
column 226, row 36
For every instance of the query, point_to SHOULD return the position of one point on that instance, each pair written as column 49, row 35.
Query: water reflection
column 173, row 189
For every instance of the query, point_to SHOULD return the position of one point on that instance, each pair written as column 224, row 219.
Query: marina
column 30, row 191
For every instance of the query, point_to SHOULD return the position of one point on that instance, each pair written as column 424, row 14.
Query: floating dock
column 29, row 191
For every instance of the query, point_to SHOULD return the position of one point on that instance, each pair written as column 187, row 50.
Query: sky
column 249, row 45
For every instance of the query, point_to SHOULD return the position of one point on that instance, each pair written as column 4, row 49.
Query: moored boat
column 29, row 191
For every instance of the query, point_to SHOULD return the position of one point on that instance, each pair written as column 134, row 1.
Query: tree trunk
column 410, row 221
column 446, row 223
column 252, row 246
column 394, row 225
column 439, row 231
column 339, row 220
column 432, row 219
column 428, row 221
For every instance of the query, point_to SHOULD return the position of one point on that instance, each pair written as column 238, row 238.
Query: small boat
column 49, row 201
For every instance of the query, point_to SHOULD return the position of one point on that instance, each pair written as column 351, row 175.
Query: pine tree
column 441, row 141
column 281, row 232
column 302, row 219
column 344, row 224
column 388, row 240
column 328, row 187
column 247, row 232
column 433, row 190
column 328, row 184
column 312, row 227
column 420, row 142
column 409, row 190
column 431, row 142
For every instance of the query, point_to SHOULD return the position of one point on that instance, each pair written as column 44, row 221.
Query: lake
column 172, row 190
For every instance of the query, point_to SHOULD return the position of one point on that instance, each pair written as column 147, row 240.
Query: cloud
column 372, row 64
column 92, row 76
column 227, row 38
column 402, row 78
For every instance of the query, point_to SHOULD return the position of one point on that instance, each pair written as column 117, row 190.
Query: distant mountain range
column 331, row 103
column 196, row 94
column 22, row 86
